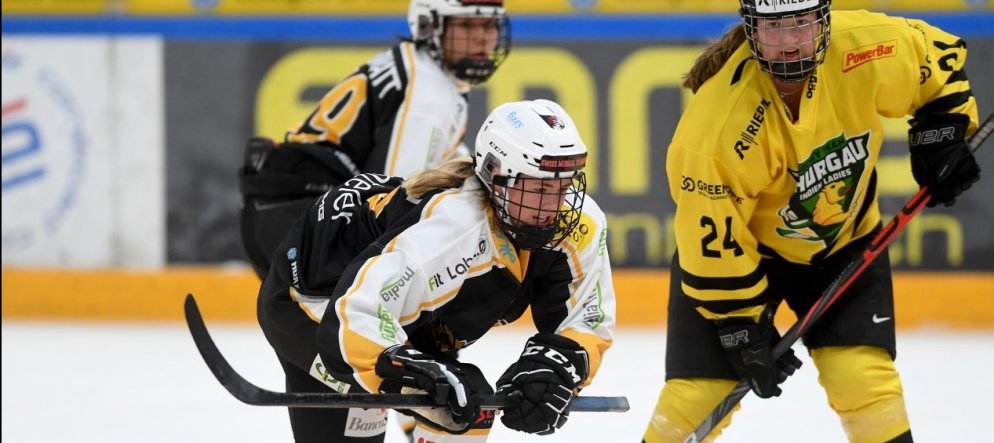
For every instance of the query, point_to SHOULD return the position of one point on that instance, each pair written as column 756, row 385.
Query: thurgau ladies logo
column 826, row 189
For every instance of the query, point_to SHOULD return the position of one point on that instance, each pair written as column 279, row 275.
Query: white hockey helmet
column 789, row 16
column 427, row 18
column 531, row 140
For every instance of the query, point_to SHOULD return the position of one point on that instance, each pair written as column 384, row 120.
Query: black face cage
column 524, row 233
column 476, row 71
column 792, row 70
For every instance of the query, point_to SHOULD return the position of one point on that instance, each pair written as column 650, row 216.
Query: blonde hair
column 714, row 57
column 448, row 175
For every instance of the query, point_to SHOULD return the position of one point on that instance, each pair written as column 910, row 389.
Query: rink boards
column 227, row 294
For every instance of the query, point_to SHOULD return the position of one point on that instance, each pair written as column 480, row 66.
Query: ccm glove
column 750, row 354
column 940, row 158
column 545, row 378
column 408, row 371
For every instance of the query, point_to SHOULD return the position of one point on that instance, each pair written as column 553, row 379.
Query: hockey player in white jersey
column 403, row 111
column 380, row 279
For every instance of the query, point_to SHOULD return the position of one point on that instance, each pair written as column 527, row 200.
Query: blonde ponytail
column 451, row 174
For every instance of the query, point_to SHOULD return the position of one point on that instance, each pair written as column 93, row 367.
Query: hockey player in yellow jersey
column 772, row 168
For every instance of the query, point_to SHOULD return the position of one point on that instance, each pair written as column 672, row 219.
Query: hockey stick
column 245, row 391
column 834, row 290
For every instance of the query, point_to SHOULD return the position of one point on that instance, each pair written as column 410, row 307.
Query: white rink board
column 83, row 168
column 105, row 383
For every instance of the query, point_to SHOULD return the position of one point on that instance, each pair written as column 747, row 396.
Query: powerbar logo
column 861, row 56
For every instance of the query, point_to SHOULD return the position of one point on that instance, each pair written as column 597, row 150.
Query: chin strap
column 472, row 70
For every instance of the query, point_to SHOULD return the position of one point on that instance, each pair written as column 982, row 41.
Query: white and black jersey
column 368, row 267
column 397, row 114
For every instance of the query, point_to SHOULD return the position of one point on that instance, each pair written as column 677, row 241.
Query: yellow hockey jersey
column 750, row 182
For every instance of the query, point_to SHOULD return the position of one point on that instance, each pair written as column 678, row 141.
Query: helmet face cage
column 780, row 38
column 518, row 218
column 526, row 152
column 429, row 19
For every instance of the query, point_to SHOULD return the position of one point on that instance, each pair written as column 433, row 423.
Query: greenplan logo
column 826, row 184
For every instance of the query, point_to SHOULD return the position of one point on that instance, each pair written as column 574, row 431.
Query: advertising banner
column 395, row 7
column 624, row 95
column 82, row 152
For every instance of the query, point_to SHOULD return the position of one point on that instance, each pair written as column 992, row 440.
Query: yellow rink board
column 227, row 294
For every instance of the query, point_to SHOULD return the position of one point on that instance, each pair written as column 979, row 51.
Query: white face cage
column 532, row 145
column 522, row 232
column 427, row 21
column 789, row 39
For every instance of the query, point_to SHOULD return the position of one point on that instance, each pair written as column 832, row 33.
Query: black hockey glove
column 750, row 353
column 940, row 158
column 544, row 377
column 407, row 370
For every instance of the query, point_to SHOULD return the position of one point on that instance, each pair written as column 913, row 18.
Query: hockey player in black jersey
column 403, row 111
column 381, row 278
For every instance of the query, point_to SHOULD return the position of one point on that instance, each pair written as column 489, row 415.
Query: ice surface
column 126, row 383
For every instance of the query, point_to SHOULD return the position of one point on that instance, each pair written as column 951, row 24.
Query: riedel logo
column 774, row 6
column 861, row 56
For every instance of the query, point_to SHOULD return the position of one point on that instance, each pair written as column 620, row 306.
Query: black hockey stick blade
column 835, row 290
column 251, row 394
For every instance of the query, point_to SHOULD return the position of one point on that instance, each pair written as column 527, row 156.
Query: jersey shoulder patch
column 591, row 227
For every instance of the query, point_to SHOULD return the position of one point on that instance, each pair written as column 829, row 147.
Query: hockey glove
column 408, row 371
column 940, row 159
column 750, row 354
column 544, row 377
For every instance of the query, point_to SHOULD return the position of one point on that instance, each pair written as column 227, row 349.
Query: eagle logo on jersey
column 825, row 193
